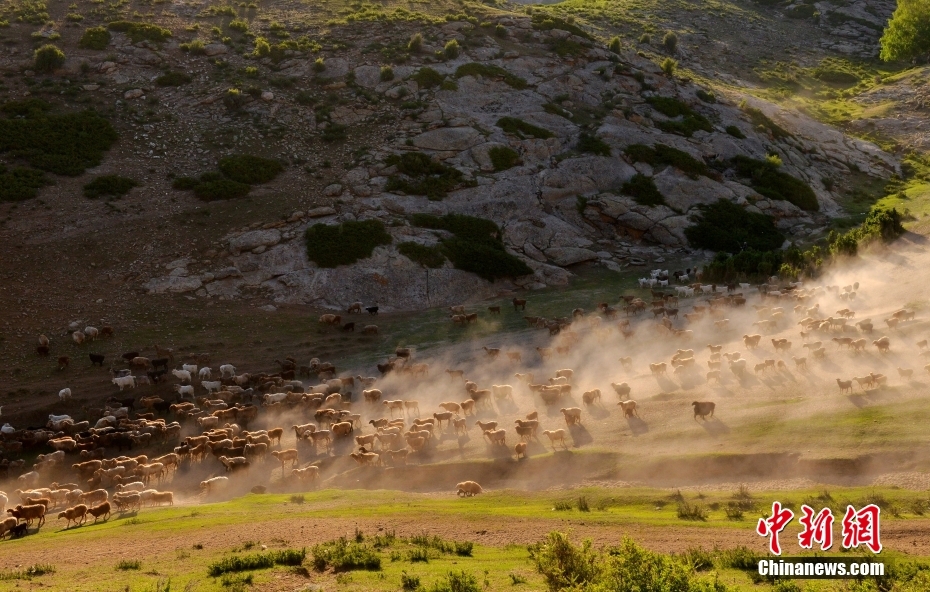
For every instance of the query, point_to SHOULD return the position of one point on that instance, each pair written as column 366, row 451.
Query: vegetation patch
column 252, row 170
column 141, row 31
column 65, row 144
column 344, row 244
column 547, row 22
column 210, row 188
column 431, row 257
column 735, row 132
column 522, row 129
column 591, row 144
column 49, row 58
column 173, row 79
column 503, row 157
column 491, row 71
column 685, row 121
column 749, row 265
column 661, row 154
column 761, row 122
column 95, row 38
column 237, row 563
column 643, row 190
column 421, row 175
column 725, row 226
column 427, row 78
column 109, row 186
column 18, row 184
column 342, row 555
column 768, row 180
column 476, row 246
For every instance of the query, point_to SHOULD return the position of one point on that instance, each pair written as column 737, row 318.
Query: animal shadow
column 580, row 435
column 637, row 426
column 715, row 427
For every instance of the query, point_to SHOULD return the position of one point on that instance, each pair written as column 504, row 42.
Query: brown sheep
column 29, row 513
column 484, row 426
column 883, row 344
column 703, row 409
column 453, row 407
column 591, row 397
column 520, row 450
column 533, row 416
column 285, row 456
column 622, row 389
column 370, row 330
column 905, row 373
column 443, row 416
column 100, row 510
column 468, row 488
column 572, row 415
column 372, row 395
column 845, row 385
column 460, row 425
column 311, row 473
column 751, row 341
column 468, row 407
column 392, row 405
column 341, row 429
column 658, row 369
column 76, row 514
column 496, row 437
column 629, row 408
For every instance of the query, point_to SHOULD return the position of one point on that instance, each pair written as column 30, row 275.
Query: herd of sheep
column 222, row 424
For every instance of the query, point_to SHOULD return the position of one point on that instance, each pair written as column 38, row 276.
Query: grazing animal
column 845, row 385
column 629, row 408
column 468, row 489
column 556, row 436
column 703, row 408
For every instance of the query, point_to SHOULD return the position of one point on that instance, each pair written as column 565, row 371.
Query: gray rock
column 133, row 94
column 255, row 238
column 173, row 284
column 564, row 256
column 321, row 211
column 368, row 76
column 333, row 190
column 448, row 138
column 215, row 49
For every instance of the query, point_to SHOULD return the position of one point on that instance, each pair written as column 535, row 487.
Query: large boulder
column 564, row 256
column 253, row 239
column 448, row 139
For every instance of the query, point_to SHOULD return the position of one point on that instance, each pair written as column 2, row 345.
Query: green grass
column 173, row 79
column 522, row 129
column 503, row 158
column 109, row 186
column 660, row 154
column 643, row 190
column 237, row 563
column 19, row 183
column 252, row 170
column 141, row 31
column 426, row 256
column 421, row 175
column 346, row 243
column 683, row 119
column 769, row 181
column 95, row 38
column 491, row 71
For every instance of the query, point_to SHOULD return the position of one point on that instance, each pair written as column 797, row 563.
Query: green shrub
column 500, row 31
column 184, row 183
column 522, row 129
column 217, row 189
column 735, row 132
column 615, row 45
column 690, row 121
column 490, row 71
column 837, row 71
column 64, row 144
column 109, row 185
column 775, row 184
column 49, row 58
column 706, row 96
column 387, row 73
column 334, row 132
column 688, row 511
column 476, row 247
column 342, row 555
column 464, row 548
column 670, row 42
column 761, row 121
column 547, row 22
column 250, row 169
column 666, row 155
column 344, row 244
column 565, row 566
column 415, row 44
column 423, row 176
column 195, row 47
column 645, row 38
column 236, row 563
column 451, row 49
column 643, row 190
column 129, row 564
column 591, row 144
column 319, row 65
column 19, row 184
column 431, row 257
column 238, row 25
column 669, row 66
column 457, row 582
column 141, row 31
column 725, row 226
column 234, row 99
column 173, row 79
column 881, row 223
column 503, row 157
column 418, row 555
column 409, row 583
column 427, row 78
column 95, row 38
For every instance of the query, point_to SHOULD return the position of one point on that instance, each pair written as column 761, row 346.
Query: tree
column 907, row 35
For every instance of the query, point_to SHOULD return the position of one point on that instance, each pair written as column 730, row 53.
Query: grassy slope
column 175, row 530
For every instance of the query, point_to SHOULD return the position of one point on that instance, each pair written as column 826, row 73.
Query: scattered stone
column 133, row 94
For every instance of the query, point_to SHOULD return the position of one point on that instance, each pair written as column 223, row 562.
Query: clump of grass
column 95, row 38
column 387, row 73
column 591, row 144
column 33, row 571
column 346, row 243
column 643, row 190
column 583, row 504
column 740, row 557
column 688, row 511
column 522, row 129
column 195, row 47
column 669, row 66
column 733, row 512
column 129, row 564
column 706, row 96
column 735, row 132
column 252, row 170
column 690, row 121
column 416, row 43
column 767, row 180
column 421, row 175
column 341, row 555
column 516, row 579
column 48, row 58
column 457, row 582
column 409, row 583
column 503, row 158
column 173, row 79
column 141, row 31
column 426, row 77
column 451, row 49
column 110, row 186
column 426, row 256
column 661, row 154
column 761, row 122
column 237, row 563
column 562, row 506
column 18, row 184
column 237, row 583
column 699, row 559
column 490, row 71
column 418, row 555
column 464, row 548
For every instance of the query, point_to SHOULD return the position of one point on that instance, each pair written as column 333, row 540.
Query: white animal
column 7, row 429
column 227, row 371
column 64, row 394
column 214, row 385
column 205, row 373
column 124, row 381
column 91, row 332
column 183, row 375
column 192, row 368
column 183, row 390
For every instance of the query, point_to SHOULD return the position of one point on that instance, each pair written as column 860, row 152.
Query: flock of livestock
column 194, row 419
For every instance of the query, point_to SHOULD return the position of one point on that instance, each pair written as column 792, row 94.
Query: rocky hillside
column 579, row 153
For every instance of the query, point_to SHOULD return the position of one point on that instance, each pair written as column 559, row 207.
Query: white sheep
column 183, row 375
column 91, row 333
column 64, row 394
column 227, row 371
column 124, row 381
column 211, row 386
column 184, row 390
column 204, row 373
column 192, row 368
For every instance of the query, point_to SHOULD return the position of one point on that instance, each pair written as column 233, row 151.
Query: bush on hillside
column 591, row 144
column 522, row 129
column 725, row 226
column 421, row 175
column 346, row 243
column 490, row 71
column 18, row 184
column 503, row 158
column 220, row 189
column 769, row 181
column 109, row 185
column 141, row 31
column 426, row 77
column 95, row 38
column 173, row 79
column 661, row 154
column 431, row 257
column 49, row 58
column 643, row 190
column 690, row 121
column 252, row 170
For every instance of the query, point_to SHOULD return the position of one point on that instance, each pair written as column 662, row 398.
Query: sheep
column 412, row 406
column 622, row 389
column 78, row 337
column 520, row 450
column 453, row 407
column 845, row 385
column 394, row 404
column 556, row 436
column 485, row 426
column 713, row 375
column 128, row 501
column 468, row 407
column 502, row 391
column 213, row 485
column 883, row 344
column 311, row 473
column 7, row 525
column 370, row 330
column 372, row 395
column 905, row 373
column 703, row 408
column 629, row 408
column 468, row 488
column 496, row 437
column 100, row 510
column 129, row 487
column 658, row 369
column 76, row 514
column 519, row 304
column 124, row 382
column 572, row 415
column 227, row 371
column 591, row 397
column 235, row 463
column 751, row 341
column 341, row 429
column 444, row 416
column 29, row 513
column 182, row 375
